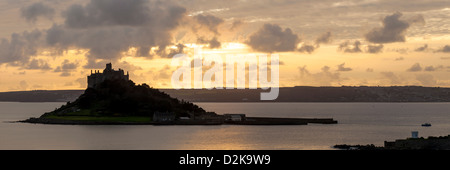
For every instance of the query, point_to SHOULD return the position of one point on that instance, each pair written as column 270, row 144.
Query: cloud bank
column 347, row 47
column 323, row 78
column 36, row 10
column 106, row 28
column 393, row 29
column 415, row 68
column 273, row 38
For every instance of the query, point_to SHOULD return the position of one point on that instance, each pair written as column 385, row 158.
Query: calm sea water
column 359, row 123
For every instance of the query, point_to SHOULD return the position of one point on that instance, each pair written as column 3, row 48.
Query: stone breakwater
column 281, row 121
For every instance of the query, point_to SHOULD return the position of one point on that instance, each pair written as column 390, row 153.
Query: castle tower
column 108, row 67
column 108, row 74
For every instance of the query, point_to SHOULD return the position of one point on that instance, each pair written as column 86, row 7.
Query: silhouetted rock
column 124, row 98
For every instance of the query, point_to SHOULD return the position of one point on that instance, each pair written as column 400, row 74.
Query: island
column 113, row 99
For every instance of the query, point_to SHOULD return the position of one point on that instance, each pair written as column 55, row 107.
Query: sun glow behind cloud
column 40, row 51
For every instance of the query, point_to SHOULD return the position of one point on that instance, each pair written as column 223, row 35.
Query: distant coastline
column 287, row 94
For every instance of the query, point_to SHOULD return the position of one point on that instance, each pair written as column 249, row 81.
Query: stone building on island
column 163, row 116
column 108, row 74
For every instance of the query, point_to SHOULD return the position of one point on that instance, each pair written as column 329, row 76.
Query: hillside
column 118, row 98
column 41, row 96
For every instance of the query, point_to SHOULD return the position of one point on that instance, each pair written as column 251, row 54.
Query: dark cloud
column 210, row 22
column 178, row 50
column 423, row 48
column 106, row 28
column 356, row 47
column 306, row 48
column 434, row 68
column 20, row 47
column 108, row 13
column 341, row 67
column 393, row 29
column 272, row 38
column 102, row 43
column 93, row 63
column 415, row 68
column 236, row 24
column 430, row 68
column 346, row 47
column 212, row 43
column 66, row 65
column 127, row 66
column 324, row 38
column 374, row 48
column 32, row 12
column 37, row 64
column 143, row 52
column 445, row 49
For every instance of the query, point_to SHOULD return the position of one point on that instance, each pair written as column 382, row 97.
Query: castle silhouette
column 108, row 74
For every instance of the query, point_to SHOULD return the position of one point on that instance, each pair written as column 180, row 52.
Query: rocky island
column 111, row 98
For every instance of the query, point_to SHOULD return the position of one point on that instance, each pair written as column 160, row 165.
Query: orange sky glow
column 54, row 46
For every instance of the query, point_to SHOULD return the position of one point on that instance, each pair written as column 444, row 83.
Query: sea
column 358, row 123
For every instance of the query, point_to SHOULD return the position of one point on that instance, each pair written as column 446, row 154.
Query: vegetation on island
column 122, row 101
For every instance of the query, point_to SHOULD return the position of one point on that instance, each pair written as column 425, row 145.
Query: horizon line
column 243, row 89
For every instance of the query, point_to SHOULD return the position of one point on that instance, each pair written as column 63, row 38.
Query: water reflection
column 359, row 123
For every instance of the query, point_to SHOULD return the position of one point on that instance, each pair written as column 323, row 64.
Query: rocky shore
column 79, row 122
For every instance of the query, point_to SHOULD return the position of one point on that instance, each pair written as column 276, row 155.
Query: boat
column 426, row 124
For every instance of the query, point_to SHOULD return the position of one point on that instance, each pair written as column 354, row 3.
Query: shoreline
column 248, row 121
column 430, row 143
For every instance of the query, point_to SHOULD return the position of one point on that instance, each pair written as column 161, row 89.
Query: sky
column 54, row 44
